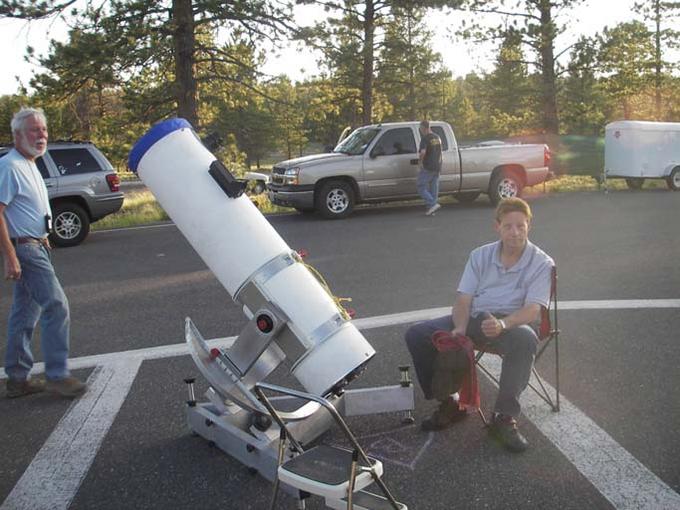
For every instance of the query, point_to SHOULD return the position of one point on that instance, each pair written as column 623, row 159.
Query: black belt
column 29, row 240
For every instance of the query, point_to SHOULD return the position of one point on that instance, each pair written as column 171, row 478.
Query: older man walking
column 25, row 222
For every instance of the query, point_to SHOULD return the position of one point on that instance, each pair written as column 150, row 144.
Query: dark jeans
column 517, row 345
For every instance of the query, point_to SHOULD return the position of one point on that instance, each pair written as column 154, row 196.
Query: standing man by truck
column 430, row 155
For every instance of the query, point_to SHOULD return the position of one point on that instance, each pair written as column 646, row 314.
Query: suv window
column 396, row 141
column 439, row 131
column 40, row 163
column 74, row 161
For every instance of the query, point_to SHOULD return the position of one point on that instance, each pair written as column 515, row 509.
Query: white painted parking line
column 621, row 478
column 378, row 321
column 160, row 352
column 52, row 479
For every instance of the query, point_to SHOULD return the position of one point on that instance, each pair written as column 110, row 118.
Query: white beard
column 34, row 152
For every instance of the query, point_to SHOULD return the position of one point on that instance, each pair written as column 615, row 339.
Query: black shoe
column 504, row 429
column 446, row 415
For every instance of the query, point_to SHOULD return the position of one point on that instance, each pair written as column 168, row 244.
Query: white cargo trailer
column 638, row 150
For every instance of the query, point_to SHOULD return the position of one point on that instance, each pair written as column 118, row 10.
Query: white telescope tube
column 236, row 242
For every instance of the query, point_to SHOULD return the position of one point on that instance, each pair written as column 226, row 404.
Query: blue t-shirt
column 23, row 191
column 495, row 289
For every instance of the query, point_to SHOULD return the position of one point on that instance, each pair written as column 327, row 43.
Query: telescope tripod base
column 231, row 428
column 233, row 433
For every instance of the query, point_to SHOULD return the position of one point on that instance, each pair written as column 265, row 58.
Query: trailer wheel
column 335, row 199
column 504, row 185
column 635, row 183
column 673, row 180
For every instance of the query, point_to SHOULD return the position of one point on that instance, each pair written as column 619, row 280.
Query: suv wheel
column 70, row 225
column 335, row 199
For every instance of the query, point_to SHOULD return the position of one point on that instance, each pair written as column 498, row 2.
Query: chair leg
column 352, row 479
column 557, row 371
column 483, row 417
column 282, row 449
column 543, row 392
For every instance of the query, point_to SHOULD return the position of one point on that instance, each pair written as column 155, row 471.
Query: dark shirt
column 432, row 145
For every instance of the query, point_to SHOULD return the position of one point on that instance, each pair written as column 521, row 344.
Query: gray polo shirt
column 498, row 290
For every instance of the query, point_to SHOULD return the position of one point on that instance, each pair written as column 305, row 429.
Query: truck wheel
column 504, row 185
column 70, row 225
column 335, row 199
column 635, row 183
column 673, row 180
column 467, row 196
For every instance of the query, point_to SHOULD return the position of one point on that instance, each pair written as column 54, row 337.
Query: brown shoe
column 17, row 389
column 67, row 387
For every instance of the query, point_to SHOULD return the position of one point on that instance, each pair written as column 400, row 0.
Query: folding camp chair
column 547, row 333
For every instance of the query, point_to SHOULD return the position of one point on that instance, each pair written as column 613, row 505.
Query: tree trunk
column 412, row 74
column 657, row 59
column 185, row 82
column 367, row 83
column 83, row 112
column 548, row 87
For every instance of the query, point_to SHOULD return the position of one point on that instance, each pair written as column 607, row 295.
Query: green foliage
column 117, row 74
column 535, row 25
column 581, row 97
column 579, row 155
column 9, row 105
column 409, row 69
column 509, row 92
column 625, row 57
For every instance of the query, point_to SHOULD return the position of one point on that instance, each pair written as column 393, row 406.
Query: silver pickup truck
column 379, row 163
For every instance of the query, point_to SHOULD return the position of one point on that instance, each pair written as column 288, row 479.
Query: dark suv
column 82, row 186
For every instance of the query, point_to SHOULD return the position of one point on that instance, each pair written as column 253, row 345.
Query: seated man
column 500, row 295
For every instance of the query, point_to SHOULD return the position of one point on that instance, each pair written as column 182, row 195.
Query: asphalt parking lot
column 614, row 445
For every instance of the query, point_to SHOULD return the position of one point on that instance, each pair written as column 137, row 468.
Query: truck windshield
column 357, row 142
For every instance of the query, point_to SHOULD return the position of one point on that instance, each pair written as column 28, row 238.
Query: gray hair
column 20, row 118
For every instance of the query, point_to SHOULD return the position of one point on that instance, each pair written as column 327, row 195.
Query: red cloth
column 469, row 391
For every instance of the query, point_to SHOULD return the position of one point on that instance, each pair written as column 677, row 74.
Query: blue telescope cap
column 154, row 134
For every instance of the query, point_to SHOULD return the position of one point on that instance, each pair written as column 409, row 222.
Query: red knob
column 264, row 323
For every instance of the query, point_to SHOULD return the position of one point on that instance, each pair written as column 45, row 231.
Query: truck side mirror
column 377, row 151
